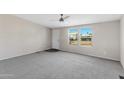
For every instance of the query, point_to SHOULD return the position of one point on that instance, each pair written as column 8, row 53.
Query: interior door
column 55, row 39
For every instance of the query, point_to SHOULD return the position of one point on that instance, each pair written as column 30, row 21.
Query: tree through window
column 73, row 36
column 86, row 36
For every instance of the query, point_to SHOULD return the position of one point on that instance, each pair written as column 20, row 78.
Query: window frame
column 69, row 36
column 79, row 35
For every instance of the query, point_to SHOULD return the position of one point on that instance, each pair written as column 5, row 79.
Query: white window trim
column 78, row 30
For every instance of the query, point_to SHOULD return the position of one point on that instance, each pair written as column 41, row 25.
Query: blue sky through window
column 85, row 31
column 73, row 30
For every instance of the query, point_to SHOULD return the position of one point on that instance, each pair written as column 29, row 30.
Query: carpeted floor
column 59, row 65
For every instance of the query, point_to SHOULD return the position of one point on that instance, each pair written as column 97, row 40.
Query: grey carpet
column 59, row 65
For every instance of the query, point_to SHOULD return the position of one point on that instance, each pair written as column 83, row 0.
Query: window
column 82, row 36
column 85, row 36
column 73, row 36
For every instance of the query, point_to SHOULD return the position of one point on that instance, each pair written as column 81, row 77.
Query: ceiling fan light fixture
column 61, row 20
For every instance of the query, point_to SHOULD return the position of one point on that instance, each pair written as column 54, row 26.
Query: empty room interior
column 61, row 46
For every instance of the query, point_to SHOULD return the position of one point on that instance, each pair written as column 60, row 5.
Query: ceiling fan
column 62, row 18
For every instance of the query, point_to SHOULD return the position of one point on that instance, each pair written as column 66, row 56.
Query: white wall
column 55, row 38
column 19, row 37
column 122, row 41
column 106, row 42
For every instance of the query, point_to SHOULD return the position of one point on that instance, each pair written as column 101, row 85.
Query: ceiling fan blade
column 66, row 17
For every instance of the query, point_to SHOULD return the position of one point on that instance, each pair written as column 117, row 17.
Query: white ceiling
column 74, row 19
